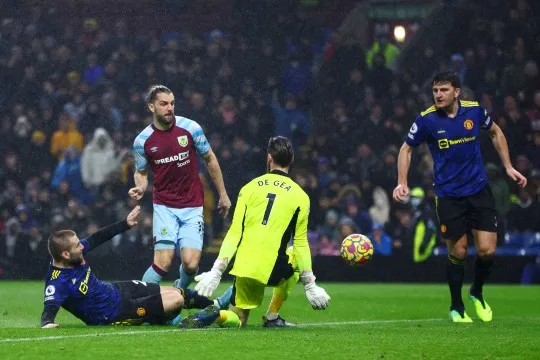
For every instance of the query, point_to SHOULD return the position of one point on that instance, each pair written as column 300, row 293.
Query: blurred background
column 344, row 79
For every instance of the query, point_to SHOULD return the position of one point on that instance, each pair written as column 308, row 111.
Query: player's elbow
column 405, row 149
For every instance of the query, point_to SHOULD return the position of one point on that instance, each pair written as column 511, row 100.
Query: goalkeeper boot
column 277, row 322
column 483, row 310
column 459, row 316
column 224, row 300
column 201, row 319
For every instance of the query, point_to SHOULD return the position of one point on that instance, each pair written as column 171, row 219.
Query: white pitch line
column 136, row 332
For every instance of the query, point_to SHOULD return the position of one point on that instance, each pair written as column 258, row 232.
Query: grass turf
column 369, row 321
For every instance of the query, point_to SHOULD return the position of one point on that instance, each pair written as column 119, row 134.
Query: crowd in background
column 71, row 104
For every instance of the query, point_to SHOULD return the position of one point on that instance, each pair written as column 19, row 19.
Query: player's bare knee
column 486, row 251
column 191, row 265
column 163, row 261
column 177, row 298
column 459, row 251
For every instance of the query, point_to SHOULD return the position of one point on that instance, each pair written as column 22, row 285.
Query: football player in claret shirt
column 169, row 147
column 464, row 202
column 271, row 210
column 72, row 284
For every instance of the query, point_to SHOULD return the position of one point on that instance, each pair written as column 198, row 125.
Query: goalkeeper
column 270, row 211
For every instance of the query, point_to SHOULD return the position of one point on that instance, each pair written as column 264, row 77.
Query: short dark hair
column 59, row 242
column 154, row 90
column 447, row 77
column 281, row 150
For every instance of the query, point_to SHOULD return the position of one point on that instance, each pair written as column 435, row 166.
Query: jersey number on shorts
column 271, row 197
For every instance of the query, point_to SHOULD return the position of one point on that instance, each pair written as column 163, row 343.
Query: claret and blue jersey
column 455, row 147
column 171, row 155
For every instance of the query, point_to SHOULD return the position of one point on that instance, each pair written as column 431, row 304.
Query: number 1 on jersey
column 271, row 197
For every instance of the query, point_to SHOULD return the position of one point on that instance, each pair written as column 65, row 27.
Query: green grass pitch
column 364, row 321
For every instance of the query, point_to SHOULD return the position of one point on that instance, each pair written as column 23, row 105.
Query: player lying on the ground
column 72, row 284
column 270, row 211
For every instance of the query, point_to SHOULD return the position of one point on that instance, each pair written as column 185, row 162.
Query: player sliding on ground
column 71, row 284
column 451, row 128
column 270, row 211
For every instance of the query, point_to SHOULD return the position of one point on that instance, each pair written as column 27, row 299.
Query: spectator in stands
column 382, row 243
column 66, row 136
column 68, row 171
column 99, row 159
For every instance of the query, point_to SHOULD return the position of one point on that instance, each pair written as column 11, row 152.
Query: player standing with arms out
column 271, row 210
column 71, row 284
column 169, row 146
column 464, row 200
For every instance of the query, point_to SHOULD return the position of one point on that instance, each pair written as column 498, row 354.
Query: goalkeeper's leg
column 280, row 295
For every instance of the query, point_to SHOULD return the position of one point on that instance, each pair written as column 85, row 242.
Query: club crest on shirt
column 163, row 231
column 141, row 311
column 183, row 140
column 468, row 124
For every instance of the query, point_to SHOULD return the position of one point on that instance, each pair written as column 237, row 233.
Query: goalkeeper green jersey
column 271, row 210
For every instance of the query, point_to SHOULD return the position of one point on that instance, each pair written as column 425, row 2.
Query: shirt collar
column 279, row 172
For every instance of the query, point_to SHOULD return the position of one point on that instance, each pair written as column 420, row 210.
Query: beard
column 75, row 261
column 165, row 120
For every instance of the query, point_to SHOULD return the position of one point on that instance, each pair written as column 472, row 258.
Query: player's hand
column 401, row 193
column 316, row 295
column 516, row 176
column 207, row 282
column 136, row 192
column 224, row 205
column 133, row 217
column 50, row 326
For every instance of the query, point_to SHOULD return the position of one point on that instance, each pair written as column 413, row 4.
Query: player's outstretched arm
column 224, row 203
column 401, row 192
column 207, row 282
column 108, row 232
column 501, row 145
column 316, row 295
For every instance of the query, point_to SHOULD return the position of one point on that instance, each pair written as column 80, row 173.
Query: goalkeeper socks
column 482, row 269
column 228, row 318
column 154, row 274
column 275, row 305
column 185, row 278
column 281, row 293
column 454, row 273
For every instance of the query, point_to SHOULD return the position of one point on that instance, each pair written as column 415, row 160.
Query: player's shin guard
column 154, row 274
column 281, row 293
column 454, row 272
column 185, row 278
column 482, row 269
column 228, row 318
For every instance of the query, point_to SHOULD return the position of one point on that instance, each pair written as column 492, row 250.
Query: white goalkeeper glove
column 208, row 282
column 316, row 295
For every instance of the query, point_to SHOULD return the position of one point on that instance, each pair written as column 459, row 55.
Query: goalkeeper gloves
column 207, row 282
column 317, row 296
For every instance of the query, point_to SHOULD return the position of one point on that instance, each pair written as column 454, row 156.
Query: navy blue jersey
column 455, row 147
column 81, row 293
